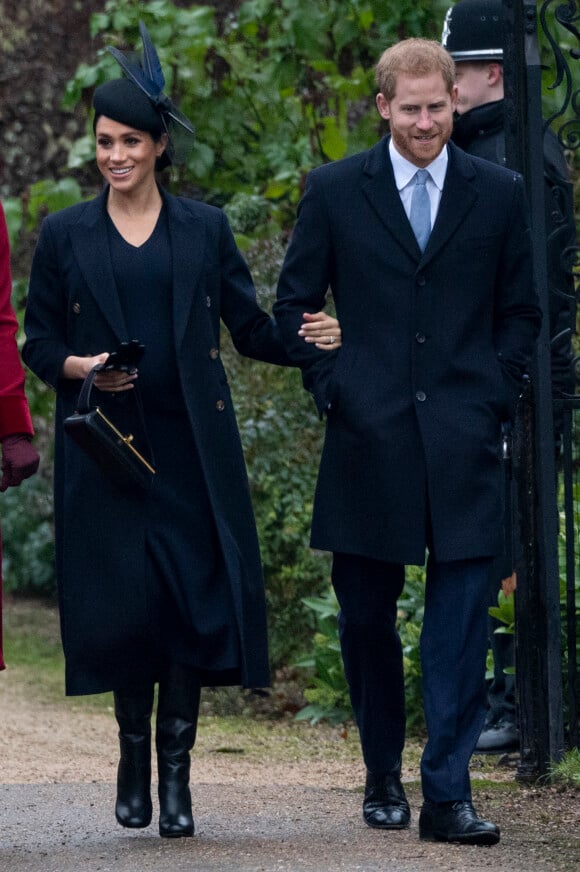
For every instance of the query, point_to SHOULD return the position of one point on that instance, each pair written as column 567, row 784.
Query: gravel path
column 253, row 811
column 69, row 828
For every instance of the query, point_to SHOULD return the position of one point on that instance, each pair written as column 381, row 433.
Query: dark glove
column 19, row 460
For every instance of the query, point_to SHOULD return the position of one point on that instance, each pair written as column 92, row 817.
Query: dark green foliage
column 27, row 538
column 410, row 619
column 248, row 214
column 327, row 691
column 504, row 612
column 282, row 438
column 274, row 88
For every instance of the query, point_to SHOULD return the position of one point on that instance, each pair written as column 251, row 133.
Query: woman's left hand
column 115, row 381
column 322, row 330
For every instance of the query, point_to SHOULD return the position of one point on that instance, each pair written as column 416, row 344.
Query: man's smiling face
column 420, row 116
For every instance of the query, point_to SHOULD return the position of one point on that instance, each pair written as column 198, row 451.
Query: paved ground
column 249, row 828
column 268, row 796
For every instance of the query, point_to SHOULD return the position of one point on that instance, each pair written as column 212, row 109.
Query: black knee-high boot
column 177, row 711
column 133, row 712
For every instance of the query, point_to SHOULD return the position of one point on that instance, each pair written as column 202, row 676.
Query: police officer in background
column 473, row 33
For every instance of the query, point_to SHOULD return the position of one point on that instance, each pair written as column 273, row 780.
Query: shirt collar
column 404, row 170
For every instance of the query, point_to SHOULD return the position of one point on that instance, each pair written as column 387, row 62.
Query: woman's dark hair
column 125, row 102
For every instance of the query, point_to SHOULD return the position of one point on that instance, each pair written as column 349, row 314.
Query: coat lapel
column 90, row 246
column 457, row 199
column 188, row 245
column 381, row 191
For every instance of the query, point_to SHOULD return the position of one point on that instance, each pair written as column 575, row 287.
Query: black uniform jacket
column 73, row 309
column 481, row 132
column 434, row 348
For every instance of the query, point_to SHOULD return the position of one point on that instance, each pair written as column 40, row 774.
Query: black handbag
column 102, row 440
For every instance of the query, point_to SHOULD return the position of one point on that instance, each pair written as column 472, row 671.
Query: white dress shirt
column 405, row 171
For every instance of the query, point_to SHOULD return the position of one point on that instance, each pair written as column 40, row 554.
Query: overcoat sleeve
column 254, row 333
column 14, row 412
column 516, row 310
column 303, row 286
column 46, row 349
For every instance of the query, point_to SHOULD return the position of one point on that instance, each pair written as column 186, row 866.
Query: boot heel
column 176, row 817
column 133, row 808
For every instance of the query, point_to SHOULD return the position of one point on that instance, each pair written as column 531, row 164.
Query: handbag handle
column 84, row 400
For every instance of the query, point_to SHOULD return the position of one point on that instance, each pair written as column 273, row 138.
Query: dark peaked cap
column 474, row 31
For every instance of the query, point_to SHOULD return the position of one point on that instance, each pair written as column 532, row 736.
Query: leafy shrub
column 282, row 439
column 504, row 612
column 27, row 538
column 274, row 88
column 409, row 622
column 327, row 692
column 247, row 212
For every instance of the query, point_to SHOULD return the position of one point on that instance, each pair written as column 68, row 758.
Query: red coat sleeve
column 14, row 411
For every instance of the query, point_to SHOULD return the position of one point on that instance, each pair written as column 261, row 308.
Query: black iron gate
column 543, row 51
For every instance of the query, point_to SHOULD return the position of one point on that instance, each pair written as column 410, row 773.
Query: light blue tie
column 420, row 216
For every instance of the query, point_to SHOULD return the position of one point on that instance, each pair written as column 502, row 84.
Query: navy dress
column 191, row 608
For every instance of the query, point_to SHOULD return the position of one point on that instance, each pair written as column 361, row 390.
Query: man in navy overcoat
column 435, row 345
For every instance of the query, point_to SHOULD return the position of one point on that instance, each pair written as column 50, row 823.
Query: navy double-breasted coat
column 74, row 309
column 434, row 348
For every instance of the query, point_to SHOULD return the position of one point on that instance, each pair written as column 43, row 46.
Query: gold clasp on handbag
column 126, row 439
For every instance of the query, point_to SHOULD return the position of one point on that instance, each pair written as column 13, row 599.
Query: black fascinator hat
column 138, row 101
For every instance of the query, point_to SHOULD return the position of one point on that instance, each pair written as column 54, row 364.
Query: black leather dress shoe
column 455, row 822
column 385, row 805
column 498, row 738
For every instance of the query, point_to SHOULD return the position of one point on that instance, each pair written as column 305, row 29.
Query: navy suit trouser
column 453, row 656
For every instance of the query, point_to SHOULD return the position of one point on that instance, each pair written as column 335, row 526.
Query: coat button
column 208, row 302
column 421, row 396
column 220, row 405
column 214, row 353
column 420, row 338
column 421, row 281
column 76, row 307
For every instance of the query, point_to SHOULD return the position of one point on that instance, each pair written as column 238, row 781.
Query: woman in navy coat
column 165, row 586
